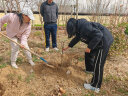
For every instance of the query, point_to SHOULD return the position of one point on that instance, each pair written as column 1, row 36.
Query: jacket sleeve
column 74, row 41
column 42, row 9
column 96, row 36
column 25, row 35
column 4, row 19
column 57, row 11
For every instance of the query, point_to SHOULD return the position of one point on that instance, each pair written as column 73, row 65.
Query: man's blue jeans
column 50, row 29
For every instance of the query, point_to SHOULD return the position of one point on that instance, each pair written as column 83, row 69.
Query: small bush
column 124, row 24
column 120, row 43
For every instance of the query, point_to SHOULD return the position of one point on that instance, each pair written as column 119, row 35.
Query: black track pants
column 89, row 60
column 99, row 62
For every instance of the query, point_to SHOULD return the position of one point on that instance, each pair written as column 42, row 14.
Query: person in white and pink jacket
column 18, row 29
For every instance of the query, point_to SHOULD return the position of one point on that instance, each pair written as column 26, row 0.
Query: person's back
column 106, row 33
column 86, row 28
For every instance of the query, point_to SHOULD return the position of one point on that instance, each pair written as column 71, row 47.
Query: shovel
column 49, row 65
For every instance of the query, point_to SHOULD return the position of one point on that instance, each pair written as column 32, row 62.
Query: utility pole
column 77, row 9
column 5, row 9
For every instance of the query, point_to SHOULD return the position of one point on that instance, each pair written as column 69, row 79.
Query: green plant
column 123, row 91
column 38, row 33
column 126, row 30
column 124, row 24
column 37, row 25
column 64, row 95
column 120, row 43
column 80, row 59
column 108, row 78
column 62, row 25
column 31, row 94
column 19, row 60
column 103, row 92
column 90, row 94
column 35, row 58
column 30, row 77
column 3, row 66
column 20, row 77
column 1, row 58
column 127, row 73
column 86, row 95
column 5, row 25
column 11, row 76
column 106, row 25
column 6, row 40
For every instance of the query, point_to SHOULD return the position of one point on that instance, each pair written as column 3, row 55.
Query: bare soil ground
column 68, row 73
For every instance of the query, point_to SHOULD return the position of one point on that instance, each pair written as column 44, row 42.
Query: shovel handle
column 24, row 47
column 19, row 44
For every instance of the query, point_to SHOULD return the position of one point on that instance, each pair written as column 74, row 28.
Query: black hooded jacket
column 93, row 34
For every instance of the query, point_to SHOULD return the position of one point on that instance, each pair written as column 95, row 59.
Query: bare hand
column 64, row 49
column 87, row 50
column 22, row 46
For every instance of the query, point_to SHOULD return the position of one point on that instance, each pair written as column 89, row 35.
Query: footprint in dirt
column 2, row 90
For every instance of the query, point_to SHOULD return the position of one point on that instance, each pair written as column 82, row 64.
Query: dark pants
column 50, row 29
column 95, row 62
column 89, row 60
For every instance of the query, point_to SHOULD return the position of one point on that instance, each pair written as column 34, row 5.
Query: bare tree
column 97, row 9
column 5, row 9
column 77, row 4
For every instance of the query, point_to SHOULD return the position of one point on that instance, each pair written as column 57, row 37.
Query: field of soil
column 66, row 78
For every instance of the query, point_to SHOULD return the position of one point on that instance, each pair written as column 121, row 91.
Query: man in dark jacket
column 49, row 12
column 99, row 39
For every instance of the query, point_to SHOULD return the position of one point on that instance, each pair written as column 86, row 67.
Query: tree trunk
column 77, row 9
column 5, row 9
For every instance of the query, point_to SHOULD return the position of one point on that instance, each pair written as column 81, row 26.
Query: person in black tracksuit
column 99, row 39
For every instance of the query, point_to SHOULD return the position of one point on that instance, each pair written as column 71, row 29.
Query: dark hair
column 20, row 18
